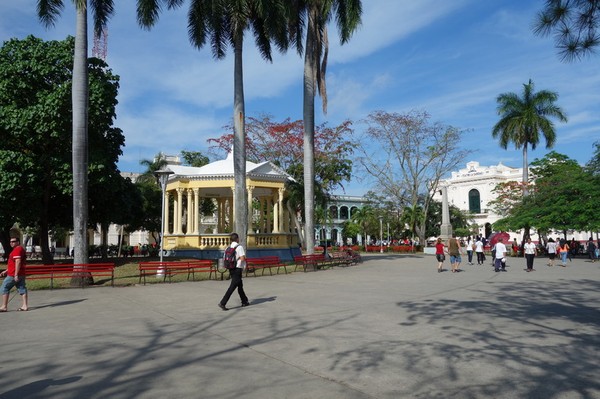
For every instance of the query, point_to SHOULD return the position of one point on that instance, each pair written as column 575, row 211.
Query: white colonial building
column 471, row 190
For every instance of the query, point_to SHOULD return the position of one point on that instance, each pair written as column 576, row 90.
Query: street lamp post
column 163, row 176
column 380, row 234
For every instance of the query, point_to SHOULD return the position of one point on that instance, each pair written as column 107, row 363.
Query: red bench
column 265, row 262
column 83, row 270
column 169, row 269
column 316, row 261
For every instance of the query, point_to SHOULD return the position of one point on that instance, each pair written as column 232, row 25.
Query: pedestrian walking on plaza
column 454, row 250
column 551, row 248
column 563, row 250
column 440, row 254
column 591, row 249
column 479, row 251
column 530, row 252
column 470, row 248
column 236, row 274
column 14, row 276
column 500, row 256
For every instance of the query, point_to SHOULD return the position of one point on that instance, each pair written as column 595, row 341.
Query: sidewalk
column 391, row 327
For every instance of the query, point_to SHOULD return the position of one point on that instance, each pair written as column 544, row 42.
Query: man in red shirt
column 14, row 275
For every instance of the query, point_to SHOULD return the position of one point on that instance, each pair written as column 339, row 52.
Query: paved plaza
column 391, row 327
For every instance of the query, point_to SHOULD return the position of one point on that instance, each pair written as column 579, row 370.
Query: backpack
column 229, row 260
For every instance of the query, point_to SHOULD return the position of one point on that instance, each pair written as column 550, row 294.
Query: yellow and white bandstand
column 188, row 232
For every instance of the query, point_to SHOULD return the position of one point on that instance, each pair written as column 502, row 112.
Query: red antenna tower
column 100, row 44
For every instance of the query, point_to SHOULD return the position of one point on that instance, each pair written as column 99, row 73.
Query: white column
column 179, row 216
column 167, row 208
column 197, row 215
column 269, row 201
column 250, row 191
column 190, row 213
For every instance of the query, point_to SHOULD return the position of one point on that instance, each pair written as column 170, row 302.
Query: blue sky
column 450, row 58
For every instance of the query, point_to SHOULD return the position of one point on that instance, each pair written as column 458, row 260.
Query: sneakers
column 245, row 304
column 223, row 307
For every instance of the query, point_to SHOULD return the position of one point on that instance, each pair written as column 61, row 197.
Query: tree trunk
column 298, row 225
column 310, row 66
column 240, row 198
column 80, row 143
column 525, row 172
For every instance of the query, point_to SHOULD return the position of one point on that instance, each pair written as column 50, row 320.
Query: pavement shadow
column 257, row 301
column 63, row 303
column 545, row 336
column 36, row 388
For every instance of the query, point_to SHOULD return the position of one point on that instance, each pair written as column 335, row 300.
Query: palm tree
column 223, row 23
column 574, row 24
column 364, row 217
column 48, row 12
column 159, row 162
column 319, row 13
column 522, row 120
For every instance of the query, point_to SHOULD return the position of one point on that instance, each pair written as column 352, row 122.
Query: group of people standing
column 455, row 247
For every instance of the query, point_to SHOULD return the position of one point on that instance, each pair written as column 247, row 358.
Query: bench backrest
column 31, row 270
column 263, row 260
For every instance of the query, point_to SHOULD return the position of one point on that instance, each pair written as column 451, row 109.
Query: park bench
column 169, row 269
column 68, row 271
column 340, row 258
column 265, row 262
column 314, row 261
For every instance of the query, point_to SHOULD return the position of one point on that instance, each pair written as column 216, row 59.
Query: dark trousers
column 470, row 256
column 529, row 258
column 480, row 258
column 236, row 282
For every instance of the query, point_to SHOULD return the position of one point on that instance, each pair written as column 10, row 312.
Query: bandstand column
column 269, row 226
column 196, row 229
column 250, row 191
column 190, row 213
column 179, row 209
column 166, row 215
column 220, row 215
column 276, row 214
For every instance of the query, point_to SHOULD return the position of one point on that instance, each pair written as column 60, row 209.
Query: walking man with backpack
column 235, row 261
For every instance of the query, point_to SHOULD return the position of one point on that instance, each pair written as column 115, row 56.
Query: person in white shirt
column 470, row 246
column 500, row 261
column 551, row 247
column 530, row 252
column 236, row 274
column 479, row 251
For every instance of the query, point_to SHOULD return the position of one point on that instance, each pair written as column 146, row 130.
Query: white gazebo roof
column 224, row 169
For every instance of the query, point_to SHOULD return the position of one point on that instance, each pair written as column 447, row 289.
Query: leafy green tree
column 36, row 179
column 458, row 219
column 574, row 24
column 48, row 12
column 593, row 166
column 564, row 198
column 523, row 118
column 224, row 23
column 194, row 158
column 351, row 230
column 317, row 14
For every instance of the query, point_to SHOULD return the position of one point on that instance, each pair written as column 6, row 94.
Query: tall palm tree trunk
column 240, row 198
column 80, row 137
column 525, row 172
column 310, row 70
column 527, row 228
